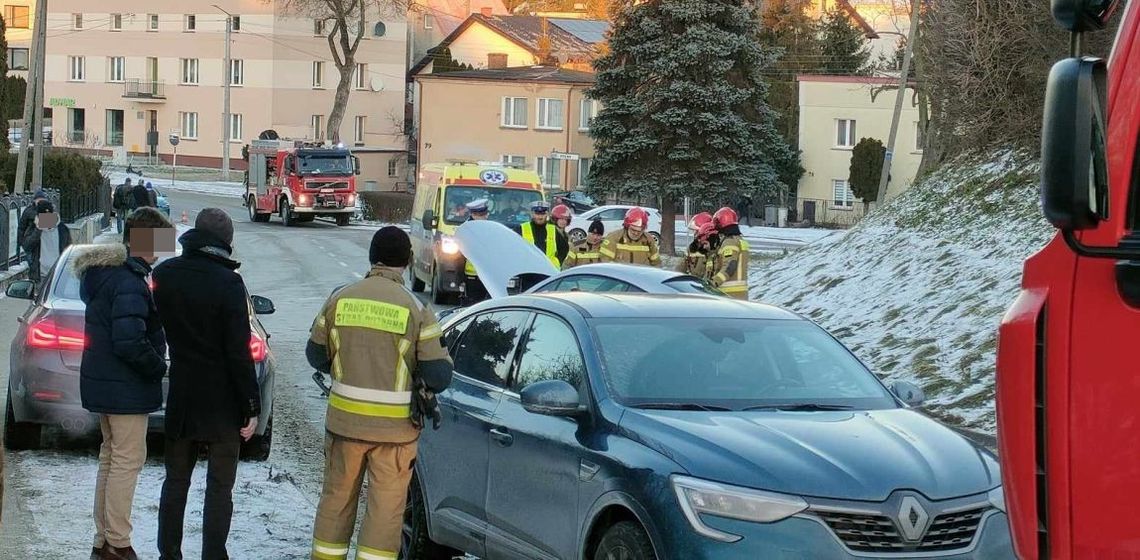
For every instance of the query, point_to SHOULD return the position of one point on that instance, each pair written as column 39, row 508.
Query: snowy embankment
column 218, row 188
column 917, row 290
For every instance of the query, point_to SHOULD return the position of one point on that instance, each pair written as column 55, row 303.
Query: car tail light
column 257, row 347
column 49, row 336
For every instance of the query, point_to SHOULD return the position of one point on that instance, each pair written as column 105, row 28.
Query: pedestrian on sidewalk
column 28, row 219
column 121, row 204
column 140, row 196
column 45, row 242
column 120, row 377
column 214, row 400
column 385, row 352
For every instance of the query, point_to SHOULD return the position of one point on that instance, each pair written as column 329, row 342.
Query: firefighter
column 631, row 244
column 543, row 234
column 731, row 264
column 384, row 351
column 473, row 289
column 697, row 221
column 696, row 257
column 562, row 216
column 586, row 251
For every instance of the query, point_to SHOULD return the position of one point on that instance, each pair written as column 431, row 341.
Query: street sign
column 173, row 139
column 564, row 156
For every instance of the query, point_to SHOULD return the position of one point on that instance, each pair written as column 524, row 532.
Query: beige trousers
column 121, row 457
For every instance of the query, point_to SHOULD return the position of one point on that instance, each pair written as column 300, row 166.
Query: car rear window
column 67, row 284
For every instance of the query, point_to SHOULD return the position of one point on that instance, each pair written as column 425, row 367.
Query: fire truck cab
column 300, row 181
column 1068, row 385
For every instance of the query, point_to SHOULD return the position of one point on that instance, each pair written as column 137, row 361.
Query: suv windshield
column 732, row 364
column 325, row 165
column 507, row 206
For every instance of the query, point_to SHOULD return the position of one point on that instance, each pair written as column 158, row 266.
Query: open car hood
column 499, row 254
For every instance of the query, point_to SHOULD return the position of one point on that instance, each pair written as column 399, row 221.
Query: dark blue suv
column 622, row 426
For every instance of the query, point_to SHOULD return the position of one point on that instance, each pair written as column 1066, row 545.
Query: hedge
column 62, row 169
column 387, row 207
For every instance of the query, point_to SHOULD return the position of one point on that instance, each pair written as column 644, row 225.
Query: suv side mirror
column 263, row 305
column 21, row 289
column 429, row 220
column 908, row 393
column 1074, row 175
column 551, row 398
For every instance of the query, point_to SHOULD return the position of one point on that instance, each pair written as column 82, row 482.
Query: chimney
column 486, row 11
column 496, row 61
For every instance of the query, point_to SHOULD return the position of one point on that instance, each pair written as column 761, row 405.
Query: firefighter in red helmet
column 730, row 268
column 631, row 244
column 697, row 259
column 561, row 215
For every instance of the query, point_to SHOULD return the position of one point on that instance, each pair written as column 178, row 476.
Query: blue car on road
column 638, row 426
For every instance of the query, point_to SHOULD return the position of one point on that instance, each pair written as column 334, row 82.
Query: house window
column 429, row 21
column 842, row 197
column 513, row 161
column 235, row 127
column 78, row 65
column 77, row 21
column 318, row 127
column 589, row 111
column 235, row 23
column 189, row 125
column 190, row 71
column 583, row 170
column 844, row 133
column 318, row 74
column 117, row 67
column 919, row 140
column 189, row 22
column 17, row 59
column 497, row 60
column 116, row 22
column 115, row 122
column 16, row 17
column 361, row 76
column 237, row 72
column 77, row 125
column 550, row 114
column 547, row 170
column 358, row 130
column 392, row 168
column 319, row 27
column 152, row 22
column 514, row 112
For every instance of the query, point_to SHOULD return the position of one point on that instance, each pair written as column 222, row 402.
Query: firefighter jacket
column 696, row 262
column 377, row 333
column 582, row 253
column 731, row 268
column 548, row 240
column 619, row 248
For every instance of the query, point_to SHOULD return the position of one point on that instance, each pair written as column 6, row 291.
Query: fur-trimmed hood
column 109, row 254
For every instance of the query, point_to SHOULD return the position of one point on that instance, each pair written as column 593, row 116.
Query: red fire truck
column 300, row 181
column 1068, row 387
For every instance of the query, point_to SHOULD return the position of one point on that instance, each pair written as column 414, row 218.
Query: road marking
column 343, row 264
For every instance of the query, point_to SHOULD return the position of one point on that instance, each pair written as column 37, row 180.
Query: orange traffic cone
column 185, row 220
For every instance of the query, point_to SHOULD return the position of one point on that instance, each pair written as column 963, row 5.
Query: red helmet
column 725, row 217
column 699, row 220
column 706, row 231
column 561, row 212
column 636, row 217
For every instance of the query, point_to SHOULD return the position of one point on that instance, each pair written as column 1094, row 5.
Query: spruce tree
column 866, row 169
column 844, row 45
column 786, row 27
column 684, row 107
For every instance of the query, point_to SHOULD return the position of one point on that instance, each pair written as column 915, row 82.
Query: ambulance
column 441, row 195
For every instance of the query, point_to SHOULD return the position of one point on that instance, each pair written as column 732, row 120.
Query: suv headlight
column 997, row 498
column 448, row 245
column 699, row 497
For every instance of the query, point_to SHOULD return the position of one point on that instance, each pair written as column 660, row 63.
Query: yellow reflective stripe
column 337, row 369
column 607, row 252
column 734, row 286
column 369, row 409
column 402, row 365
column 744, row 245
column 729, row 251
column 633, row 248
column 551, row 240
column 371, row 395
column 329, row 551
column 369, row 314
column 470, row 269
column 428, row 333
column 719, row 278
column 585, row 255
column 366, row 553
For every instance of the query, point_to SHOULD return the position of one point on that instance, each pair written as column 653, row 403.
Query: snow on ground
column 218, row 188
column 917, row 290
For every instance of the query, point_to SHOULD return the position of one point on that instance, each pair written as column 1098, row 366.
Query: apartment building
column 120, row 80
column 19, row 16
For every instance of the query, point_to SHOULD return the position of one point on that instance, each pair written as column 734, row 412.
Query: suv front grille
column 871, row 533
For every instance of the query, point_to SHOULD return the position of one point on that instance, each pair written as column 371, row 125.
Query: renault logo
column 912, row 519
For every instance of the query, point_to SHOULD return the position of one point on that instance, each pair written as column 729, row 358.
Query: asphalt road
column 297, row 268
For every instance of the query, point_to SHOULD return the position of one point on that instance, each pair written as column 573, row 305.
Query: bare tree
column 345, row 22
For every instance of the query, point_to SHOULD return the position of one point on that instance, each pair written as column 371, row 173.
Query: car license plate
column 331, row 204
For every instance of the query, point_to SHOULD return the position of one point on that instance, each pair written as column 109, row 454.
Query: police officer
column 544, row 234
column 384, row 351
column 630, row 244
column 731, row 265
column 473, row 289
column 586, row 251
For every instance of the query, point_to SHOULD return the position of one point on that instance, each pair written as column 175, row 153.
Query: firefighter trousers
column 389, row 470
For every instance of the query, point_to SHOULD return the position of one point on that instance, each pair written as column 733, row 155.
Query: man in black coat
column 120, row 377
column 214, row 398
column 44, row 242
column 140, row 196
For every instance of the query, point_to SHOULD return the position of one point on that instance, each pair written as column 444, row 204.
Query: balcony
column 145, row 91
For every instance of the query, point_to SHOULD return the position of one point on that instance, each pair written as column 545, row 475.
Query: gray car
column 43, row 386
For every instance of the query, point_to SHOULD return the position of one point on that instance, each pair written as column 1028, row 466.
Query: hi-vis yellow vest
column 551, row 241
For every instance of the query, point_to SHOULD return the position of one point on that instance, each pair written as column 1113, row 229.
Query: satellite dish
column 377, row 84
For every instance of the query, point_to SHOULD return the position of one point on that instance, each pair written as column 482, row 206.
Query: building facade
column 526, row 116
column 133, row 73
column 19, row 17
column 835, row 113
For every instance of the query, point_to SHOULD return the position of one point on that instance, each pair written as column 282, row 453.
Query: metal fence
column 72, row 205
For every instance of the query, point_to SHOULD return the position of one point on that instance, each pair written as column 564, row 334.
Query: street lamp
column 229, row 72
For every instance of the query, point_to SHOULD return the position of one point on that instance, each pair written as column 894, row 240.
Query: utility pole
column 228, row 80
column 38, row 154
column 904, row 74
column 34, row 72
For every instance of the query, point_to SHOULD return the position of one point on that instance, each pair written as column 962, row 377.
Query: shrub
column 62, row 169
column 387, row 207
